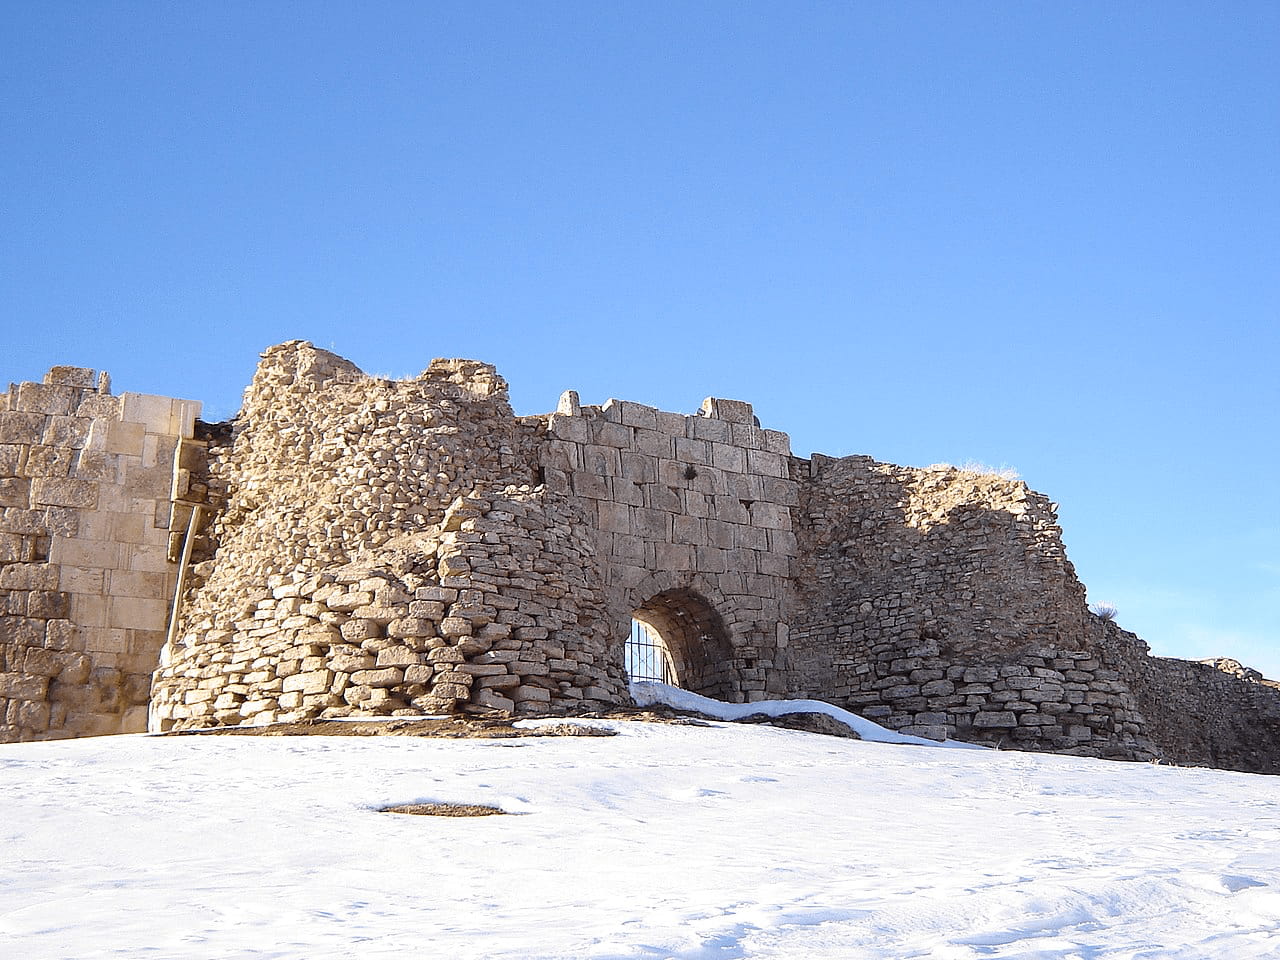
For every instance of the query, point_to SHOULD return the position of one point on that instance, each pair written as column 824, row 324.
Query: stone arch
column 695, row 626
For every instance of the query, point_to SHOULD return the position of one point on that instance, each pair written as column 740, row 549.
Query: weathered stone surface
column 375, row 546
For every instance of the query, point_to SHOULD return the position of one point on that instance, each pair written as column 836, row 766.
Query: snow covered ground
column 715, row 841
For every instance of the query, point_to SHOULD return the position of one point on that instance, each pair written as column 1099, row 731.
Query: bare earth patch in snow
column 444, row 809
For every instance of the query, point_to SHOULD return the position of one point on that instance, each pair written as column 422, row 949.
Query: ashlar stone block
column 675, row 556
column 748, row 436
column 15, row 492
column 123, row 438
column 11, row 459
column 601, row 460
column 615, row 517
column 627, row 491
column 569, row 428
column 700, row 428
column 686, row 529
column 639, row 467
column 50, row 399
column 152, row 412
column 775, row 441
column 609, row 434
column 650, row 524
column 592, row 486
column 733, row 411
column 20, row 427
column 639, row 415
column 727, row 457
column 766, row 464
column 83, row 378
column 672, row 424
column 138, row 613
column 653, row 443
column 65, row 431
column 693, row 451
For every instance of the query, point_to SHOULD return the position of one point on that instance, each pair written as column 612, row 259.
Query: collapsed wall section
column 1215, row 713
column 940, row 602
column 86, row 483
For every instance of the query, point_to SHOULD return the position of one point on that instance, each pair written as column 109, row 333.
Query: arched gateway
column 693, row 532
column 682, row 636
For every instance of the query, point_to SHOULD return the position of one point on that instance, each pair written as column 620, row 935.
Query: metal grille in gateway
column 646, row 655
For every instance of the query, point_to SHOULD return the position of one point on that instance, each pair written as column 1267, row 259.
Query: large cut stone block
column 91, row 554
column 152, row 412
column 138, row 613
column 48, row 399
column 316, row 681
column 22, row 686
column 18, row 427
column 638, row 415
column 766, row 464
column 727, row 457
column 55, row 492
column 608, row 434
column 615, row 517
column 700, row 428
column 83, row 378
column 654, row 443
column 733, row 411
column 10, row 459
column 15, row 492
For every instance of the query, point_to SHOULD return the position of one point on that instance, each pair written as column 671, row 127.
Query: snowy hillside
column 667, row 840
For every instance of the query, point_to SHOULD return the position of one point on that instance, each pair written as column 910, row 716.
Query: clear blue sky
column 1037, row 235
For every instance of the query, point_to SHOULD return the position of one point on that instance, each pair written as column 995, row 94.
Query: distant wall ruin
column 362, row 546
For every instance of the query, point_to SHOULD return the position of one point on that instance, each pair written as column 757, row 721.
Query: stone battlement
column 351, row 545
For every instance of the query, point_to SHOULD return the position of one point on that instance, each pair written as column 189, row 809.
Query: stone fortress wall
column 89, row 483
column 361, row 546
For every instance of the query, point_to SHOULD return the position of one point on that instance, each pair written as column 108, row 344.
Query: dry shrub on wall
column 985, row 470
column 1103, row 610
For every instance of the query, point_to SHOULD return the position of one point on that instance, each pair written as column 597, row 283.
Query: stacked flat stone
column 940, row 602
column 382, row 552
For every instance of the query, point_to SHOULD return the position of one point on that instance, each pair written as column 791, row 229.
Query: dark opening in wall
column 678, row 638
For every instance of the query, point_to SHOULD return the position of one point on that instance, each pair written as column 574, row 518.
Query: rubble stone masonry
column 352, row 546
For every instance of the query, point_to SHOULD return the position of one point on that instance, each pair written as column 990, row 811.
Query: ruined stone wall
column 362, row 546
column 1214, row 713
column 940, row 602
column 383, row 550
column 86, row 483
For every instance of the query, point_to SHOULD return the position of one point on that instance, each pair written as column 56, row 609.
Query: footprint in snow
column 1224, row 882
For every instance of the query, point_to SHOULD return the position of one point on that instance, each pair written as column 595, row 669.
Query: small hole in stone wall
column 690, row 472
column 444, row 809
column 749, row 663
column 747, row 503
column 541, row 477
